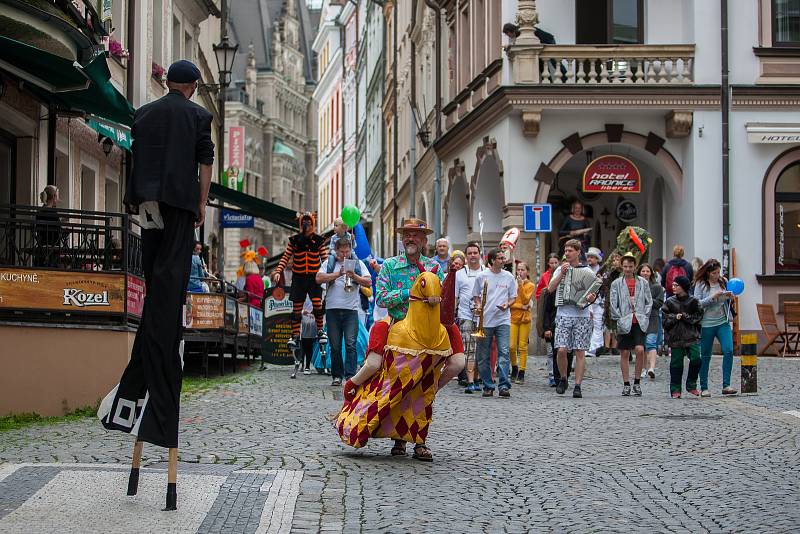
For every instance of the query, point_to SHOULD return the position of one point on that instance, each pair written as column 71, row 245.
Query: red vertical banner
column 236, row 147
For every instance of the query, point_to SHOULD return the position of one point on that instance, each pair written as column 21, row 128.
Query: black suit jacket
column 171, row 137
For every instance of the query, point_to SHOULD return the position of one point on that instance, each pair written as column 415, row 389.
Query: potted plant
column 116, row 50
column 157, row 72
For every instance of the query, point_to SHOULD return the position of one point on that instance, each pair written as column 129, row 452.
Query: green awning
column 278, row 147
column 269, row 211
column 66, row 83
column 120, row 135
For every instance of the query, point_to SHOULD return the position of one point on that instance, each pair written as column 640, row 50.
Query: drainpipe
column 437, row 181
column 412, row 182
column 394, row 130
column 725, row 101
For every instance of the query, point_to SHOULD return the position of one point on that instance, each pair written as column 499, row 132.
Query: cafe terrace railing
column 616, row 64
column 60, row 265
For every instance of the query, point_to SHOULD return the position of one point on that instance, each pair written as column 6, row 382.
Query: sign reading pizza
column 611, row 174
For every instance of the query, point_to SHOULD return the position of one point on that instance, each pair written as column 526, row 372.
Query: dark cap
column 683, row 282
column 183, row 71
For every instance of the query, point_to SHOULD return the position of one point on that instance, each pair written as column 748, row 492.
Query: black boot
column 521, row 376
column 514, row 373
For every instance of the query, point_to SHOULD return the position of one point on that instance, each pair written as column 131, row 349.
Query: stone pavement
column 261, row 455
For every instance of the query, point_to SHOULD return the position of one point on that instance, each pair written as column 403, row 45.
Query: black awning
column 269, row 211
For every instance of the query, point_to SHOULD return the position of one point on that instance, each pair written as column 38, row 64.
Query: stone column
column 524, row 53
column 527, row 18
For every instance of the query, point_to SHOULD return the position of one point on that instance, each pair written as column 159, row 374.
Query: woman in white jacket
column 630, row 303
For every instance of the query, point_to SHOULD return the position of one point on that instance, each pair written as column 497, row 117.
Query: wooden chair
column 769, row 324
column 791, row 318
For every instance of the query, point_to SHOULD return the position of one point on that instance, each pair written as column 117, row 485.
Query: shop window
column 112, row 196
column 787, row 220
column 786, row 23
column 609, row 21
column 87, row 188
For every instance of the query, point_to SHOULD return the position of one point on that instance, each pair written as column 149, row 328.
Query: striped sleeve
column 285, row 258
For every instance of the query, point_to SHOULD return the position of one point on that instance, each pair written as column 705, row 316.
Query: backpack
column 674, row 272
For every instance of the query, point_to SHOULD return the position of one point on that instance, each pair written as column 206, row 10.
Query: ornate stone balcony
column 617, row 64
column 536, row 64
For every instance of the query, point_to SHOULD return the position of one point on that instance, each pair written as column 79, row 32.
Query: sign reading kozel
column 611, row 174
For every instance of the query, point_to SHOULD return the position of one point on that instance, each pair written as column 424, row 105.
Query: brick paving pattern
column 262, row 455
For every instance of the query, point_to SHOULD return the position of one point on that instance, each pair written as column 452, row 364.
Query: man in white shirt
column 341, row 307
column 465, row 283
column 573, row 324
column 501, row 292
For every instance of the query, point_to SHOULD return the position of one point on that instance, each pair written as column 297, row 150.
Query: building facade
column 637, row 80
column 140, row 40
column 270, row 103
column 328, row 95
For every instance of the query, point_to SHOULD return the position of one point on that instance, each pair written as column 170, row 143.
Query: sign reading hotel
column 62, row 291
column 611, row 174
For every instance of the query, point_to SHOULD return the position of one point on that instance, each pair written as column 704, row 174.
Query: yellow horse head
column 421, row 330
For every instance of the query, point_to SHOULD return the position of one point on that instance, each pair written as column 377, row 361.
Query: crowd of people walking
column 637, row 312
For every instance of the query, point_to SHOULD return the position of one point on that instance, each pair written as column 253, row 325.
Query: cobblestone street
column 261, row 455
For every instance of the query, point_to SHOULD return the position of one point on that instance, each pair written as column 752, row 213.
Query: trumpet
column 349, row 286
column 479, row 333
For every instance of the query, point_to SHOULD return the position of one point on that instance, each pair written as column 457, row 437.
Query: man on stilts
column 172, row 164
column 305, row 252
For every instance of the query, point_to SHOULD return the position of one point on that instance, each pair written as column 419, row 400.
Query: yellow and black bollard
column 749, row 363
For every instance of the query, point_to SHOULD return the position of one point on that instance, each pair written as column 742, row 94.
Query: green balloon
column 351, row 215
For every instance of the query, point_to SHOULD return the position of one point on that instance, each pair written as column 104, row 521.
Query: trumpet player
column 343, row 277
column 494, row 292
column 467, row 320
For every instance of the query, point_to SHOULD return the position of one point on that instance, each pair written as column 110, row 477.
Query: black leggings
column 308, row 350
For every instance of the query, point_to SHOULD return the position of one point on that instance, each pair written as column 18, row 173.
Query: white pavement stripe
column 278, row 512
column 795, row 413
column 7, row 469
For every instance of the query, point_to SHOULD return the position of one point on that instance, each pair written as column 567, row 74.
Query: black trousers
column 152, row 380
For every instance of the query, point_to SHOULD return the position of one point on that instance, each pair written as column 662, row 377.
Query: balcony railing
column 73, row 240
column 616, row 64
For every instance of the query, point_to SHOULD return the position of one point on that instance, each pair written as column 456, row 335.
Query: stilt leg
column 133, row 479
column 172, row 480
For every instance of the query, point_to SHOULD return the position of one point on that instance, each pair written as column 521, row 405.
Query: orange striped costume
column 305, row 252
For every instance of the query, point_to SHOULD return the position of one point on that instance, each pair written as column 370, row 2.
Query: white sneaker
column 306, row 371
column 644, row 373
column 651, row 373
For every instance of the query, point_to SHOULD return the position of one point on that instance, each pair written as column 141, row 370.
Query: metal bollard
column 749, row 344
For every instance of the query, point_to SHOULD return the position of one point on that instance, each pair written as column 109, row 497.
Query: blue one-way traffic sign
column 538, row 217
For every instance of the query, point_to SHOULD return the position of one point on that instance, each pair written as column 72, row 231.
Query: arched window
column 787, row 220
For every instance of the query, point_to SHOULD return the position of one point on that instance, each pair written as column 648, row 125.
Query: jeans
column 724, row 334
column 502, row 334
column 342, row 323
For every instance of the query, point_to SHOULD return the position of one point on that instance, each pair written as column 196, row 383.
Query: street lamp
column 225, row 54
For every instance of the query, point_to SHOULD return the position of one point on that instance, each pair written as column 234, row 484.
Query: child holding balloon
column 712, row 290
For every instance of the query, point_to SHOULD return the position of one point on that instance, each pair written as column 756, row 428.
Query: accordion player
column 575, row 287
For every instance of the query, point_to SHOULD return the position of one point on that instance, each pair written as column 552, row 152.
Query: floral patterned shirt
column 395, row 280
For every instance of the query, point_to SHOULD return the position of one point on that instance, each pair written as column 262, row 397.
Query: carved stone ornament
column 531, row 122
column 679, row 123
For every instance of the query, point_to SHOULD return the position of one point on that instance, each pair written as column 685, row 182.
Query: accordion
column 576, row 284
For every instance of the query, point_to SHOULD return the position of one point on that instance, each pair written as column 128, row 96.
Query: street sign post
column 537, row 217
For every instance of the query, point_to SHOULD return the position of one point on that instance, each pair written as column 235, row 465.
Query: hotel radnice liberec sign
column 611, row 174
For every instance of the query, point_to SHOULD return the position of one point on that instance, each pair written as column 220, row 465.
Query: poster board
column 205, row 311
column 136, row 293
column 62, row 291
column 244, row 318
column 277, row 331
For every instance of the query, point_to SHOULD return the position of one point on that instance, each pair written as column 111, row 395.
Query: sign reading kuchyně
column 64, row 291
